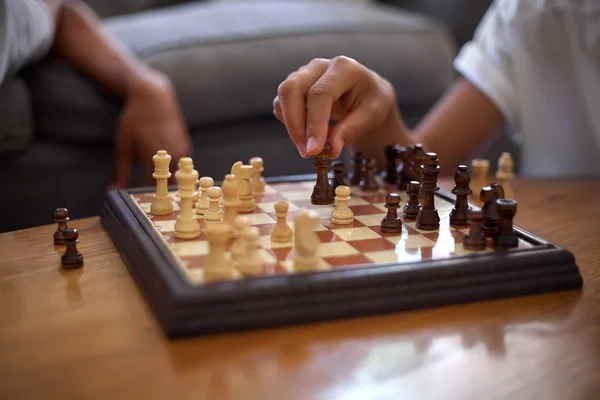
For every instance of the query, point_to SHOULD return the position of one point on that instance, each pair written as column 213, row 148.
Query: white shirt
column 539, row 62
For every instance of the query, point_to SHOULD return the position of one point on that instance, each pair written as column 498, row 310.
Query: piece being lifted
column 428, row 218
column 323, row 192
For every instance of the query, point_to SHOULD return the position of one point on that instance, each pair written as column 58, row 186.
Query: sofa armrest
column 110, row 8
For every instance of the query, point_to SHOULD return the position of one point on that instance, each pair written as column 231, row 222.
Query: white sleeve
column 486, row 63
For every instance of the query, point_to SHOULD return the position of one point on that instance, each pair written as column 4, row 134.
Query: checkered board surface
column 361, row 244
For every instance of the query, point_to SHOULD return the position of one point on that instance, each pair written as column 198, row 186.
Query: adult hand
column 359, row 100
column 151, row 120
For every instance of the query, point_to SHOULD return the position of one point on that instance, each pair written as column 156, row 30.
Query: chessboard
column 361, row 270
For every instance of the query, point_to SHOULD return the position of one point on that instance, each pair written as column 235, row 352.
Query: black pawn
column 506, row 237
column 491, row 219
column 61, row 215
column 428, row 218
column 357, row 159
column 390, row 175
column 72, row 258
column 417, row 160
column 475, row 239
column 411, row 209
column 339, row 175
column 458, row 215
column 404, row 166
column 369, row 183
column 391, row 222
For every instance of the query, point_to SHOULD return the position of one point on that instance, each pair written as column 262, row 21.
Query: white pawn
column 161, row 201
column 218, row 267
column 253, row 263
column 281, row 232
column 214, row 214
column 505, row 175
column 230, row 201
column 243, row 174
column 306, row 242
column 186, row 226
column 238, row 247
column 342, row 215
column 258, row 181
column 479, row 178
column 202, row 204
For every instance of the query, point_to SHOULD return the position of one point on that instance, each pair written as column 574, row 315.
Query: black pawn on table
column 475, row 239
column 61, row 216
column 411, row 209
column 491, row 219
column 339, row 175
column 391, row 222
column 390, row 175
column 506, row 237
column 428, row 218
column 322, row 192
column 417, row 160
column 458, row 215
column 402, row 170
column 369, row 182
column 72, row 258
column 357, row 161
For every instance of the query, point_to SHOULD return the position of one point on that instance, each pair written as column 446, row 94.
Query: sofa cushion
column 16, row 117
column 226, row 59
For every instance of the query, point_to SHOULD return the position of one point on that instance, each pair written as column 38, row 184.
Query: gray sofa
column 226, row 59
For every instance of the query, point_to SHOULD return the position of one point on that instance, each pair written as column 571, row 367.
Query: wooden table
column 89, row 332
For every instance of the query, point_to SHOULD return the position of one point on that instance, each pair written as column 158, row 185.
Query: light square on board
column 190, row 248
column 370, row 220
column 259, row 218
column 349, row 234
column 335, row 249
column 297, row 195
column 410, row 241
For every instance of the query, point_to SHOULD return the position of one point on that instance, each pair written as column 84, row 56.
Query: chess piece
column 281, row 232
column 479, row 178
column 403, row 169
column 186, row 226
column 306, row 242
column 258, row 182
column 369, row 183
column 411, row 209
column 61, row 216
column 243, row 174
column 253, row 263
column 458, row 215
column 391, row 222
column 505, row 174
column 323, row 192
column 506, row 237
column 342, row 215
column 214, row 214
column 161, row 201
column 72, row 258
column 218, row 266
column 491, row 219
column 417, row 160
column 357, row 158
column 230, row 201
column 238, row 247
column 338, row 174
column 428, row 218
column 390, row 175
column 475, row 239
column 202, row 204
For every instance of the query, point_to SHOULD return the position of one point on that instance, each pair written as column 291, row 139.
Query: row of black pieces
column 363, row 173
column 65, row 236
column 500, row 231
column 403, row 164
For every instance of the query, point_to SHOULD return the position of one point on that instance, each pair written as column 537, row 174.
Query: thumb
column 347, row 130
column 123, row 162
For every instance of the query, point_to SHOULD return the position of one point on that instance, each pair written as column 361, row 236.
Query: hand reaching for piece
column 360, row 101
column 151, row 120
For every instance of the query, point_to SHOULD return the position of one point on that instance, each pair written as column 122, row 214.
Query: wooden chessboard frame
column 184, row 309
